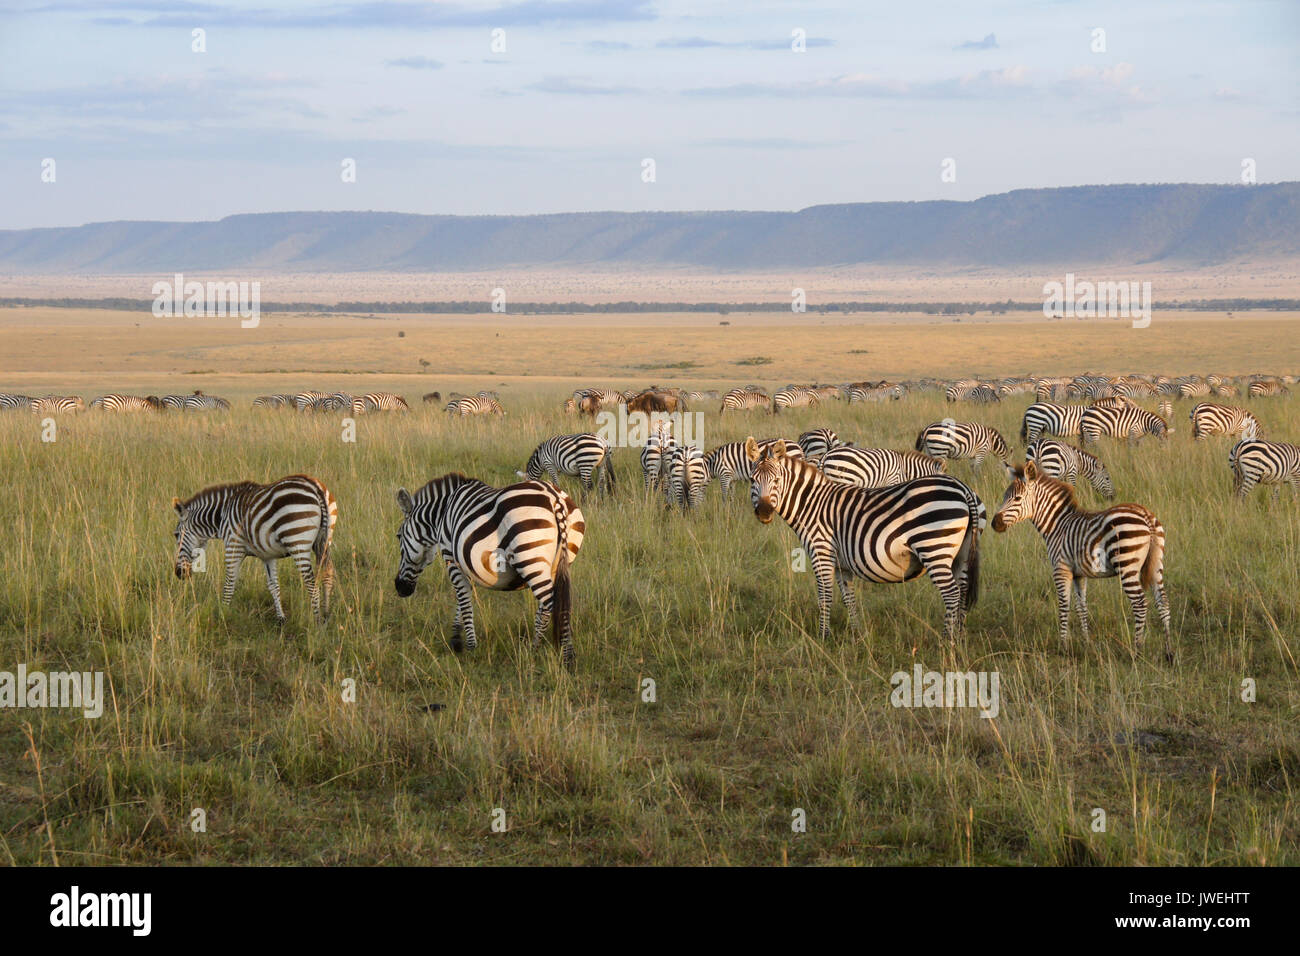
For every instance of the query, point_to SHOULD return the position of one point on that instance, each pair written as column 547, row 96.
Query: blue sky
column 142, row 127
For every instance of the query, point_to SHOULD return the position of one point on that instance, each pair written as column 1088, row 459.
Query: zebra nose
column 404, row 588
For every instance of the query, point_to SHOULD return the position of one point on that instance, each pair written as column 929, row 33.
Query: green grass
column 754, row 717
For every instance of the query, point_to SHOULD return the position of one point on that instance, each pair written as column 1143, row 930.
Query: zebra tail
column 1155, row 560
column 968, row 556
column 1024, row 429
column 561, row 603
column 608, row 465
column 920, row 440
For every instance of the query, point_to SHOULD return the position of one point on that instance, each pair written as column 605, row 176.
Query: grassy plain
column 754, row 717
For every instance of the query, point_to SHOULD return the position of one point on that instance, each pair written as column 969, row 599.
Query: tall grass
column 223, row 710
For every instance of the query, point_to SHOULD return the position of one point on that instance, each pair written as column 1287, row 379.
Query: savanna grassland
column 222, row 709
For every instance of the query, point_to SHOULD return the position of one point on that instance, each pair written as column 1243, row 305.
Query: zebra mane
column 1053, row 484
column 216, row 490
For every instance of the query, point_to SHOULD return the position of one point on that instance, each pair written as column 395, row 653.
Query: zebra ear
column 176, row 503
column 1031, row 471
column 751, row 449
column 777, row 448
column 404, row 500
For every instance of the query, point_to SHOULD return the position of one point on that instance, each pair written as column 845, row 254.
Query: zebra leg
column 1063, row 578
column 850, row 599
column 234, row 557
column 464, row 610
column 542, row 621
column 273, row 584
column 1081, row 594
column 1137, row 599
column 1162, row 608
column 1243, row 485
column 950, row 590
column 825, row 572
column 302, row 560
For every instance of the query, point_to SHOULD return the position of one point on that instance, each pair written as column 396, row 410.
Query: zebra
column 523, row 535
column 729, row 462
column 878, row 467
column 308, row 401
column 385, row 402
column 127, row 403
column 1211, row 419
column 432, row 398
column 474, row 405
column 1257, row 462
column 886, row 535
column 1194, row 389
column 794, row 396
column 874, row 393
column 273, row 401
column 584, row 455
column 1165, row 410
column 657, row 452
column 290, row 518
column 54, row 404
column 198, row 402
column 1048, row 418
column 950, row 439
column 818, row 442
column 1121, row 421
column 744, row 399
column 1056, row 459
column 1125, row 540
column 1263, row 388
column 11, row 402
column 176, row 402
column 688, row 477
column 957, row 391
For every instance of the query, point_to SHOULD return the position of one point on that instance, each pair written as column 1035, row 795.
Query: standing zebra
column 795, row 396
column 1210, row 419
column 290, row 518
column 1049, row 418
column 1256, row 462
column 950, row 439
column 818, row 442
column 1264, row 388
column 523, row 535
column 1121, row 421
column 1056, row 459
column 656, row 453
column 878, row 467
column 198, row 402
column 886, row 535
column 127, row 403
column 53, row 404
column 729, row 462
column 307, row 401
column 385, row 402
column 13, row 402
column 688, row 476
column 273, row 401
column 474, row 405
column 585, row 456
column 1126, row 540
column 744, row 399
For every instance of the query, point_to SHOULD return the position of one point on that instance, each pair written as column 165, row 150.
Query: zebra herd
column 885, row 515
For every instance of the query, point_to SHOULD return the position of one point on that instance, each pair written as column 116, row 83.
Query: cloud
column 985, row 83
column 772, row 143
column 416, row 63
column 1108, row 85
column 578, row 86
column 990, row 42
column 704, row 43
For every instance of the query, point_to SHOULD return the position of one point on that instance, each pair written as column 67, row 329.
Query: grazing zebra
column 886, row 535
column 431, row 398
column 198, row 402
column 385, row 402
column 818, row 442
column 176, row 402
column 54, row 404
column 950, row 439
column 1165, row 410
column 1126, row 540
column 729, row 462
column 308, row 401
column 657, row 452
column 794, row 396
column 1210, row 419
column 874, row 393
column 1121, row 421
column 523, row 535
column 1194, row 389
column 1256, row 462
column 585, row 456
column 878, row 467
column 744, row 399
column 290, row 518
column 274, row 401
column 1056, row 459
column 127, row 403
column 958, row 391
column 474, row 405
column 12, row 402
column 1262, row 389
column 688, row 477
column 1048, row 418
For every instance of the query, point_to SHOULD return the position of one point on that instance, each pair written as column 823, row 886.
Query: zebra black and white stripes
column 1257, row 462
column 730, row 462
column 818, row 442
column 656, row 453
column 950, row 439
column 474, row 405
column 1059, row 460
column 1126, row 540
column 127, row 403
column 744, row 399
column 1049, row 418
column 1121, row 421
column 886, row 535
column 878, row 467
column 1211, row 419
column 290, row 518
column 688, row 477
column 585, row 456
column 523, row 535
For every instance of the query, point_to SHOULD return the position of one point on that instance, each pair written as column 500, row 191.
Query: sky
column 556, row 105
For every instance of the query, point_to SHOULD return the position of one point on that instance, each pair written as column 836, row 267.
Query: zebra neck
column 1051, row 511
column 804, row 488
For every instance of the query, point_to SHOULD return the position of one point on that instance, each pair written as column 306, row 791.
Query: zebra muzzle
column 404, row 587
